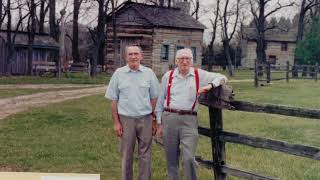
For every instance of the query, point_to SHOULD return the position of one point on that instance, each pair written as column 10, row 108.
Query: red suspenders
column 169, row 88
column 170, row 84
column 197, row 86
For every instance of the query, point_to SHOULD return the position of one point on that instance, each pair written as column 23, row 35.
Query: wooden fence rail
column 288, row 69
column 219, row 137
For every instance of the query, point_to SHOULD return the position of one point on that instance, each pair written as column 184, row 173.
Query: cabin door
column 3, row 56
column 19, row 63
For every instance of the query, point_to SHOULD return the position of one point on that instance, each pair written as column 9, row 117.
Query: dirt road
column 44, row 86
column 17, row 104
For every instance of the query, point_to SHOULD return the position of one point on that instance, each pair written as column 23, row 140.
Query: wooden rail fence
column 219, row 137
column 302, row 72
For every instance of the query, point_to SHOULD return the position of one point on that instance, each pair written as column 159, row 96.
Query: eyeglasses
column 184, row 58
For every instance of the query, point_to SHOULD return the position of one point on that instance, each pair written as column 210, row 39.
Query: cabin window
column 179, row 47
column 164, row 56
column 284, row 46
column 272, row 59
column 194, row 54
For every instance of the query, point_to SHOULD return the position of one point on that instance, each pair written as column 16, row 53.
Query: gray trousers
column 180, row 135
column 140, row 130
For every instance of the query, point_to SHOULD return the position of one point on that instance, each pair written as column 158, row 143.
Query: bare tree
column 52, row 19
column 161, row 2
column 196, row 6
column 21, row 4
column 98, row 37
column 258, row 8
column 315, row 10
column 214, row 24
column 226, row 34
column 31, row 34
column 9, row 43
column 61, row 40
column 1, row 15
column 304, row 8
column 75, row 31
column 44, row 7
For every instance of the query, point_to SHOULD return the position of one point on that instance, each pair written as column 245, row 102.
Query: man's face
column 133, row 57
column 184, row 62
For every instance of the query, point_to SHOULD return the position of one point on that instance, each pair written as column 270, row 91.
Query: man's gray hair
column 185, row 52
column 132, row 45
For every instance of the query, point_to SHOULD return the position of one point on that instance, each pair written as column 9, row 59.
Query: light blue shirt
column 133, row 90
column 183, row 89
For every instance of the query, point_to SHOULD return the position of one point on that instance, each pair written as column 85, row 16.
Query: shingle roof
column 164, row 16
column 270, row 35
column 40, row 41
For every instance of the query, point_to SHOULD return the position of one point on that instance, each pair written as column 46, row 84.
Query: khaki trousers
column 180, row 135
column 136, row 129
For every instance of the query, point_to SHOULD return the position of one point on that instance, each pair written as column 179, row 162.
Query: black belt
column 180, row 112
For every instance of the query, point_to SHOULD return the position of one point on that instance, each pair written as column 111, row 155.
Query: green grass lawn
column 300, row 93
column 239, row 74
column 77, row 136
column 249, row 74
column 74, row 78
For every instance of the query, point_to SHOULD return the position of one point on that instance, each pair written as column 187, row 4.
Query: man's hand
column 207, row 88
column 154, row 124
column 118, row 129
column 204, row 89
column 159, row 133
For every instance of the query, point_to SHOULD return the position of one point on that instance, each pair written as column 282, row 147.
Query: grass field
column 74, row 78
column 239, row 74
column 301, row 93
column 77, row 136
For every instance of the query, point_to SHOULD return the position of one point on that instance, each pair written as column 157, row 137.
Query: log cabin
column 160, row 31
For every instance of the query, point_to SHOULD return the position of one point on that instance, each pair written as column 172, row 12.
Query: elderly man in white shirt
column 176, row 112
column 133, row 90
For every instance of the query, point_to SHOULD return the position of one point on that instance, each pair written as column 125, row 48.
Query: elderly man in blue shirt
column 176, row 112
column 133, row 90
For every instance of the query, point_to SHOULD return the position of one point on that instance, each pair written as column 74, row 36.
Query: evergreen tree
column 308, row 50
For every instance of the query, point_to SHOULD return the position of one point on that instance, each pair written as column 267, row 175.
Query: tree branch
column 254, row 13
column 312, row 4
column 69, row 37
column 235, row 24
column 278, row 8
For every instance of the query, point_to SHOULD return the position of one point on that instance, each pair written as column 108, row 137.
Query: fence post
column 218, row 147
column 255, row 73
column 268, row 69
column 308, row 71
column 316, row 72
column 288, row 69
